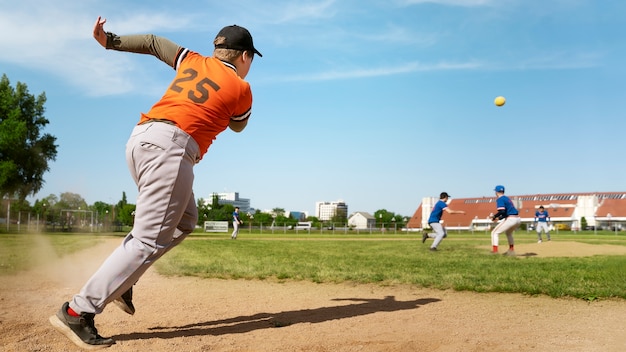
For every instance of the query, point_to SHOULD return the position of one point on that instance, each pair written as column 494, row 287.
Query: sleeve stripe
column 242, row 117
column 180, row 57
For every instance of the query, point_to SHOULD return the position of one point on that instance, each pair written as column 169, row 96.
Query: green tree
column 278, row 212
column 126, row 214
column 282, row 220
column 340, row 217
column 386, row 218
column 215, row 201
column 262, row 219
column 24, row 151
column 73, row 201
column 203, row 211
column 49, row 209
column 101, row 209
column 117, row 210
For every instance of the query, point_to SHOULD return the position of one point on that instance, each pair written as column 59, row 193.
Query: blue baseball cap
column 499, row 188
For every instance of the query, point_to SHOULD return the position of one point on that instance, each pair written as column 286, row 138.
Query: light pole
column 44, row 216
column 8, row 212
column 393, row 220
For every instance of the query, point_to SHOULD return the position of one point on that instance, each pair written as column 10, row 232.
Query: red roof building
column 601, row 210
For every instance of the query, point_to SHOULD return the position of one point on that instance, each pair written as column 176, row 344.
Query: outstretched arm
column 450, row 211
column 162, row 48
column 98, row 31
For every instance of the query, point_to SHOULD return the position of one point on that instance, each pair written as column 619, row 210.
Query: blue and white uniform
column 435, row 224
column 511, row 220
column 236, row 222
column 542, row 218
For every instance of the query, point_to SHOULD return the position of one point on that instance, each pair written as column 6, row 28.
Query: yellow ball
column 499, row 101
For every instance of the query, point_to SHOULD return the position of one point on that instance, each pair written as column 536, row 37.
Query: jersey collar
column 228, row 64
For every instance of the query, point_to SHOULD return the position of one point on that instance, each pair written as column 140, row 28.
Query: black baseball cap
column 237, row 38
column 444, row 195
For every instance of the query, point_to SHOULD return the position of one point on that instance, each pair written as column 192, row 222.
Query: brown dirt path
column 191, row 314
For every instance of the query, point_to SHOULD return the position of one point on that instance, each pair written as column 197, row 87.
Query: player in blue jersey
column 509, row 215
column 542, row 223
column 435, row 221
column 236, row 222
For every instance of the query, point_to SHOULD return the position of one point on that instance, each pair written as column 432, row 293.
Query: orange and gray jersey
column 204, row 96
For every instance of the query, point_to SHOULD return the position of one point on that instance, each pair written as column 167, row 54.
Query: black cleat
column 424, row 237
column 125, row 302
column 80, row 330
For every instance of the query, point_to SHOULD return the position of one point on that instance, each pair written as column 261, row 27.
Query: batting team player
column 435, row 220
column 206, row 96
column 509, row 215
column 542, row 222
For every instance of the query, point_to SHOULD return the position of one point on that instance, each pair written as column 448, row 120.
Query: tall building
column 298, row 215
column 233, row 199
column 327, row 210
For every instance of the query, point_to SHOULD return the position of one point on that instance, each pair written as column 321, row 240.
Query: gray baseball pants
column 160, row 157
column 440, row 233
column 543, row 226
column 235, row 229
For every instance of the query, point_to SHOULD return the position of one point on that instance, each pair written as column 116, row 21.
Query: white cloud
column 464, row 3
column 382, row 71
column 58, row 41
column 290, row 12
column 394, row 34
column 559, row 61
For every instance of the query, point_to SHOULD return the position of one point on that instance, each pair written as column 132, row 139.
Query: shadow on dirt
column 528, row 254
column 243, row 324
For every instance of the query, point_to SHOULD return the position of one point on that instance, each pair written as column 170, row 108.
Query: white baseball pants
column 507, row 226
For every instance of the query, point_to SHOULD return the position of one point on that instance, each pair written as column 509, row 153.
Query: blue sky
column 378, row 103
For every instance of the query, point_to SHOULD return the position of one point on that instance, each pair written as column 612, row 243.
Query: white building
column 233, row 199
column 325, row 211
column 362, row 220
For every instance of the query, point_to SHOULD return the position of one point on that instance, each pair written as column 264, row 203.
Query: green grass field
column 461, row 264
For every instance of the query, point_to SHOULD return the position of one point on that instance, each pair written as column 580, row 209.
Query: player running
column 206, row 96
column 435, row 221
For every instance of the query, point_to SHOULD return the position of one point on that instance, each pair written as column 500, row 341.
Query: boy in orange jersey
column 206, row 96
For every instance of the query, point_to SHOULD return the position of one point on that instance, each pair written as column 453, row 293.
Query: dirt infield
column 191, row 314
